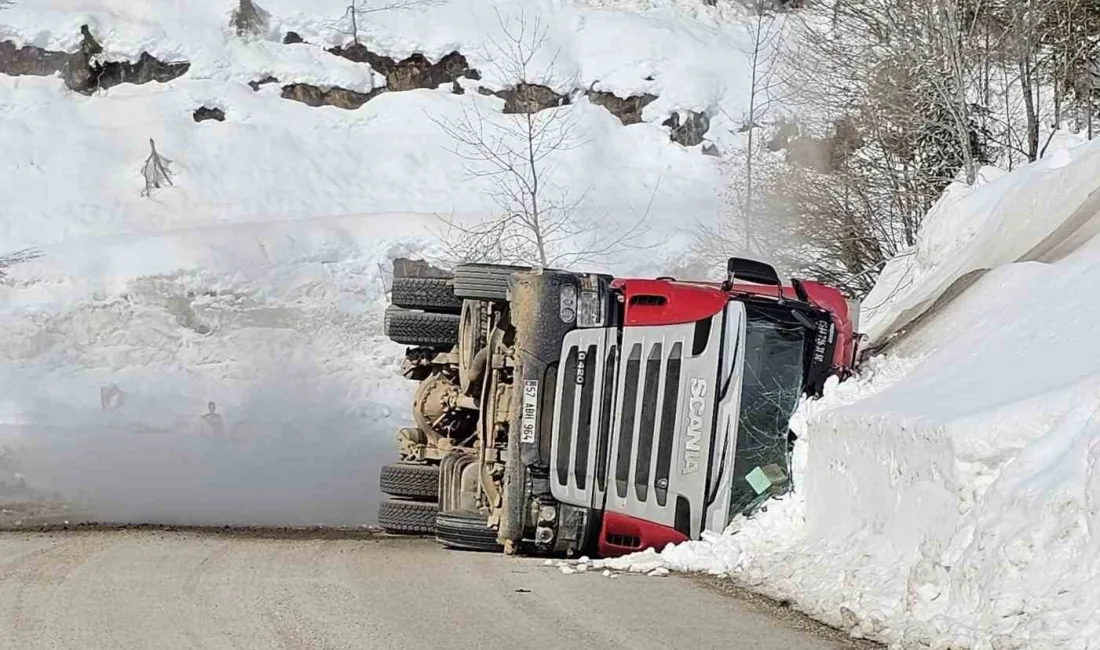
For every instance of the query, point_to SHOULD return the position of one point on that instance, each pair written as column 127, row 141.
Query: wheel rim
column 470, row 341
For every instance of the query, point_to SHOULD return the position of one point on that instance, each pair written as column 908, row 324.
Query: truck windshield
column 774, row 346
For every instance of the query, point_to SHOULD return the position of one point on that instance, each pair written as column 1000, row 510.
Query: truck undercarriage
column 569, row 413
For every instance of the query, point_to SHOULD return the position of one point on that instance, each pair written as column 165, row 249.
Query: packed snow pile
column 950, row 496
column 1047, row 209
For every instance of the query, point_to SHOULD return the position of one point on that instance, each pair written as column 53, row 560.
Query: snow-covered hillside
column 74, row 160
column 950, row 494
column 255, row 280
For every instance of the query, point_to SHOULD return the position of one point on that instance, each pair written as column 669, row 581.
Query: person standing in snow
column 212, row 424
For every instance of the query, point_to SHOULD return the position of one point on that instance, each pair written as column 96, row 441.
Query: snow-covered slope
column 1040, row 214
column 950, row 495
column 254, row 281
column 75, row 160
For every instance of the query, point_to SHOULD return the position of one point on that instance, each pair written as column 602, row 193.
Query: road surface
column 150, row 588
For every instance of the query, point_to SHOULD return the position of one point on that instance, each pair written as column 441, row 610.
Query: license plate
column 530, row 410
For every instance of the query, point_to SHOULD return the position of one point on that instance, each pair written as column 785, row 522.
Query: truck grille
column 617, row 417
column 619, row 420
column 584, row 405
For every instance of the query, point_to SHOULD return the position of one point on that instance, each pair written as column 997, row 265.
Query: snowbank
column 1050, row 208
column 948, row 497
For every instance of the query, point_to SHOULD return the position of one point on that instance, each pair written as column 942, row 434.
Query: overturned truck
column 572, row 413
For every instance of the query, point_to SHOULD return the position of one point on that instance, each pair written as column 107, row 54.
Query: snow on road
column 948, row 496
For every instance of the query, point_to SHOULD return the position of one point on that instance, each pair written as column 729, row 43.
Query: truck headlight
column 568, row 303
column 590, row 309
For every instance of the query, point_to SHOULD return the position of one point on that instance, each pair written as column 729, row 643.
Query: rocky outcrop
column 255, row 85
column 629, row 110
column 146, row 69
column 83, row 71
column 688, row 131
column 30, row 60
column 821, row 154
column 336, row 96
column 413, row 72
column 417, row 71
column 204, row 113
column 530, row 98
column 782, row 133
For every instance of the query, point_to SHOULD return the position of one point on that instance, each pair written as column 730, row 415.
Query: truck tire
column 466, row 531
column 471, row 340
column 407, row 516
column 411, row 481
column 429, row 294
column 484, row 281
column 421, row 328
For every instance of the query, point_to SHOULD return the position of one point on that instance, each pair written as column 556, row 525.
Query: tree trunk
column 1057, row 105
column 1029, row 109
column 1090, row 108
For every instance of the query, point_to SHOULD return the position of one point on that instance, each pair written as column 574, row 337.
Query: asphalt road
column 149, row 588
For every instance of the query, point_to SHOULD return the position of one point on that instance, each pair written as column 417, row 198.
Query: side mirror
column 740, row 268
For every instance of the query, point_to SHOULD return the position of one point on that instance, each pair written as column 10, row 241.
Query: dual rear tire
column 414, row 498
column 407, row 517
column 425, row 312
column 465, row 531
column 413, row 509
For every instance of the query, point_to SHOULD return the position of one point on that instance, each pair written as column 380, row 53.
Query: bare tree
column 536, row 219
column 764, row 34
column 896, row 101
column 156, row 170
column 887, row 121
column 1067, row 41
column 249, row 18
column 358, row 9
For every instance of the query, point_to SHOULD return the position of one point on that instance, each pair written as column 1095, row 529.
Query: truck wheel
column 407, row 516
column 467, row 531
column 471, row 340
column 484, row 281
column 429, row 294
column 411, row 481
column 421, row 328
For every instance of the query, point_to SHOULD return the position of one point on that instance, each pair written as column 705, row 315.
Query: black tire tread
column 407, row 516
column 484, row 281
column 465, row 531
column 429, row 294
column 421, row 328
column 410, row 481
